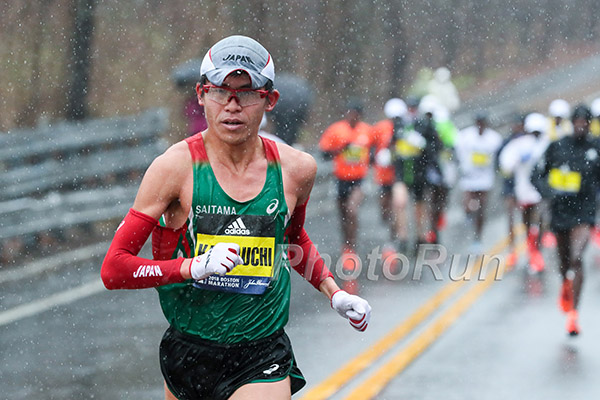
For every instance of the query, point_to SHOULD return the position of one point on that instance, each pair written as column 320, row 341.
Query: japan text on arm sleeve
column 123, row 269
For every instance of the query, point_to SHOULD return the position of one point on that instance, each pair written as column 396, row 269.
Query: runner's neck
column 234, row 157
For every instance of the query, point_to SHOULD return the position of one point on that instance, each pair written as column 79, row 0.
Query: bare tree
column 395, row 28
column 81, row 42
column 28, row 114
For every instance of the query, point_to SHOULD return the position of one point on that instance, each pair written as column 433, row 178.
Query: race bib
column 354, row 154
column 256, row 236
column 480, row 159
column 405, row 150
column 446, row 156
column 564, row 181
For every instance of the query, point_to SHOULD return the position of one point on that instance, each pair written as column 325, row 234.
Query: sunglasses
column 244, row 97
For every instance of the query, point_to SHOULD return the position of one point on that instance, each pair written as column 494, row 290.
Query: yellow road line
column 381, row 378
column 339, row 378
column 378, row 380
column 343, row 375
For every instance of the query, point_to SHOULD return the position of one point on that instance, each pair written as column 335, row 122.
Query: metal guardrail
column 67, row 140
column 73, row 175
column 57, row 212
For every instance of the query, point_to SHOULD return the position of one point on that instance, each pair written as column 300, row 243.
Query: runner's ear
column 272, row 98
column 199, row 93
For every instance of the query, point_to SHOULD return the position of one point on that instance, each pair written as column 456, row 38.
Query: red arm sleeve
column 303, row 254
column 122, row 269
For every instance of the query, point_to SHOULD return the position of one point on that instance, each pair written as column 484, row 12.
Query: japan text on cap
column 238, row 53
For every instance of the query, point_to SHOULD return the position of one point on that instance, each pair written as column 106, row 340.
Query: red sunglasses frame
column 234, row 92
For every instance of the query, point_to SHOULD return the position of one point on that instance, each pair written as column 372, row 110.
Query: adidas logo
column 237, row 227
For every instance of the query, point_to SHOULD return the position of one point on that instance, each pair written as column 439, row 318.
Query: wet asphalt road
column 510, row 343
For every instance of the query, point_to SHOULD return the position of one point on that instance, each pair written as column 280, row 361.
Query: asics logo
column 237, row 227
column 271, row 369
column 272, row 206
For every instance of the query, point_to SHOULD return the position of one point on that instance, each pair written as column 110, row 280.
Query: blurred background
column 72, row 59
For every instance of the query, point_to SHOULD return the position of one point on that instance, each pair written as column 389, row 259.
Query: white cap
column 535, row 122
column 559, row 108
column 442, row 74
column 428, row 104
column 238, row 53
column 595, row 107
column 394, row 108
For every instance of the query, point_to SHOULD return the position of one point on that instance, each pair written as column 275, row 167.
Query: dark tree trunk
column 80, row 65
column 401, row 48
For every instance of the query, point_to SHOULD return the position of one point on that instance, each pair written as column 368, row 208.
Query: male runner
column 385, row 176
column 569, row 175
column 476, row 151
column 348, row 142
column 435, row 122
column 518, row 159
column 508, row 189
column 415, row 146
column 447, row 161
column 228, row 201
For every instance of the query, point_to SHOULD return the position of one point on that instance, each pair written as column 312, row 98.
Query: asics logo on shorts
column 237, row 227
column 271, row 369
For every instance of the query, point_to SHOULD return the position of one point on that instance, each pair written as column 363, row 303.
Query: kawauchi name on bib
column 255, row 234
column 253, row 256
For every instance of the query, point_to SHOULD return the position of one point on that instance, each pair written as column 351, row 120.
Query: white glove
column 383, row 157
column 356, row 309
column 220, row 259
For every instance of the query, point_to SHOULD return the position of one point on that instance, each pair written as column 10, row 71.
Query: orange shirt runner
column 352, row 147
column 382, row 136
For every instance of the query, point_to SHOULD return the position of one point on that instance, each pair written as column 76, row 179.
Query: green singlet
column 251, row 301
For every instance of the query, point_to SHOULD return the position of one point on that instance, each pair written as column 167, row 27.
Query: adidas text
column 237, row 227
column 237, row 231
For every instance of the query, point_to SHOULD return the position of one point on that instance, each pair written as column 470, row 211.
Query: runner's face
column 481, row 125
column 232, row 122
column 353, row 117
column 580, row 127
